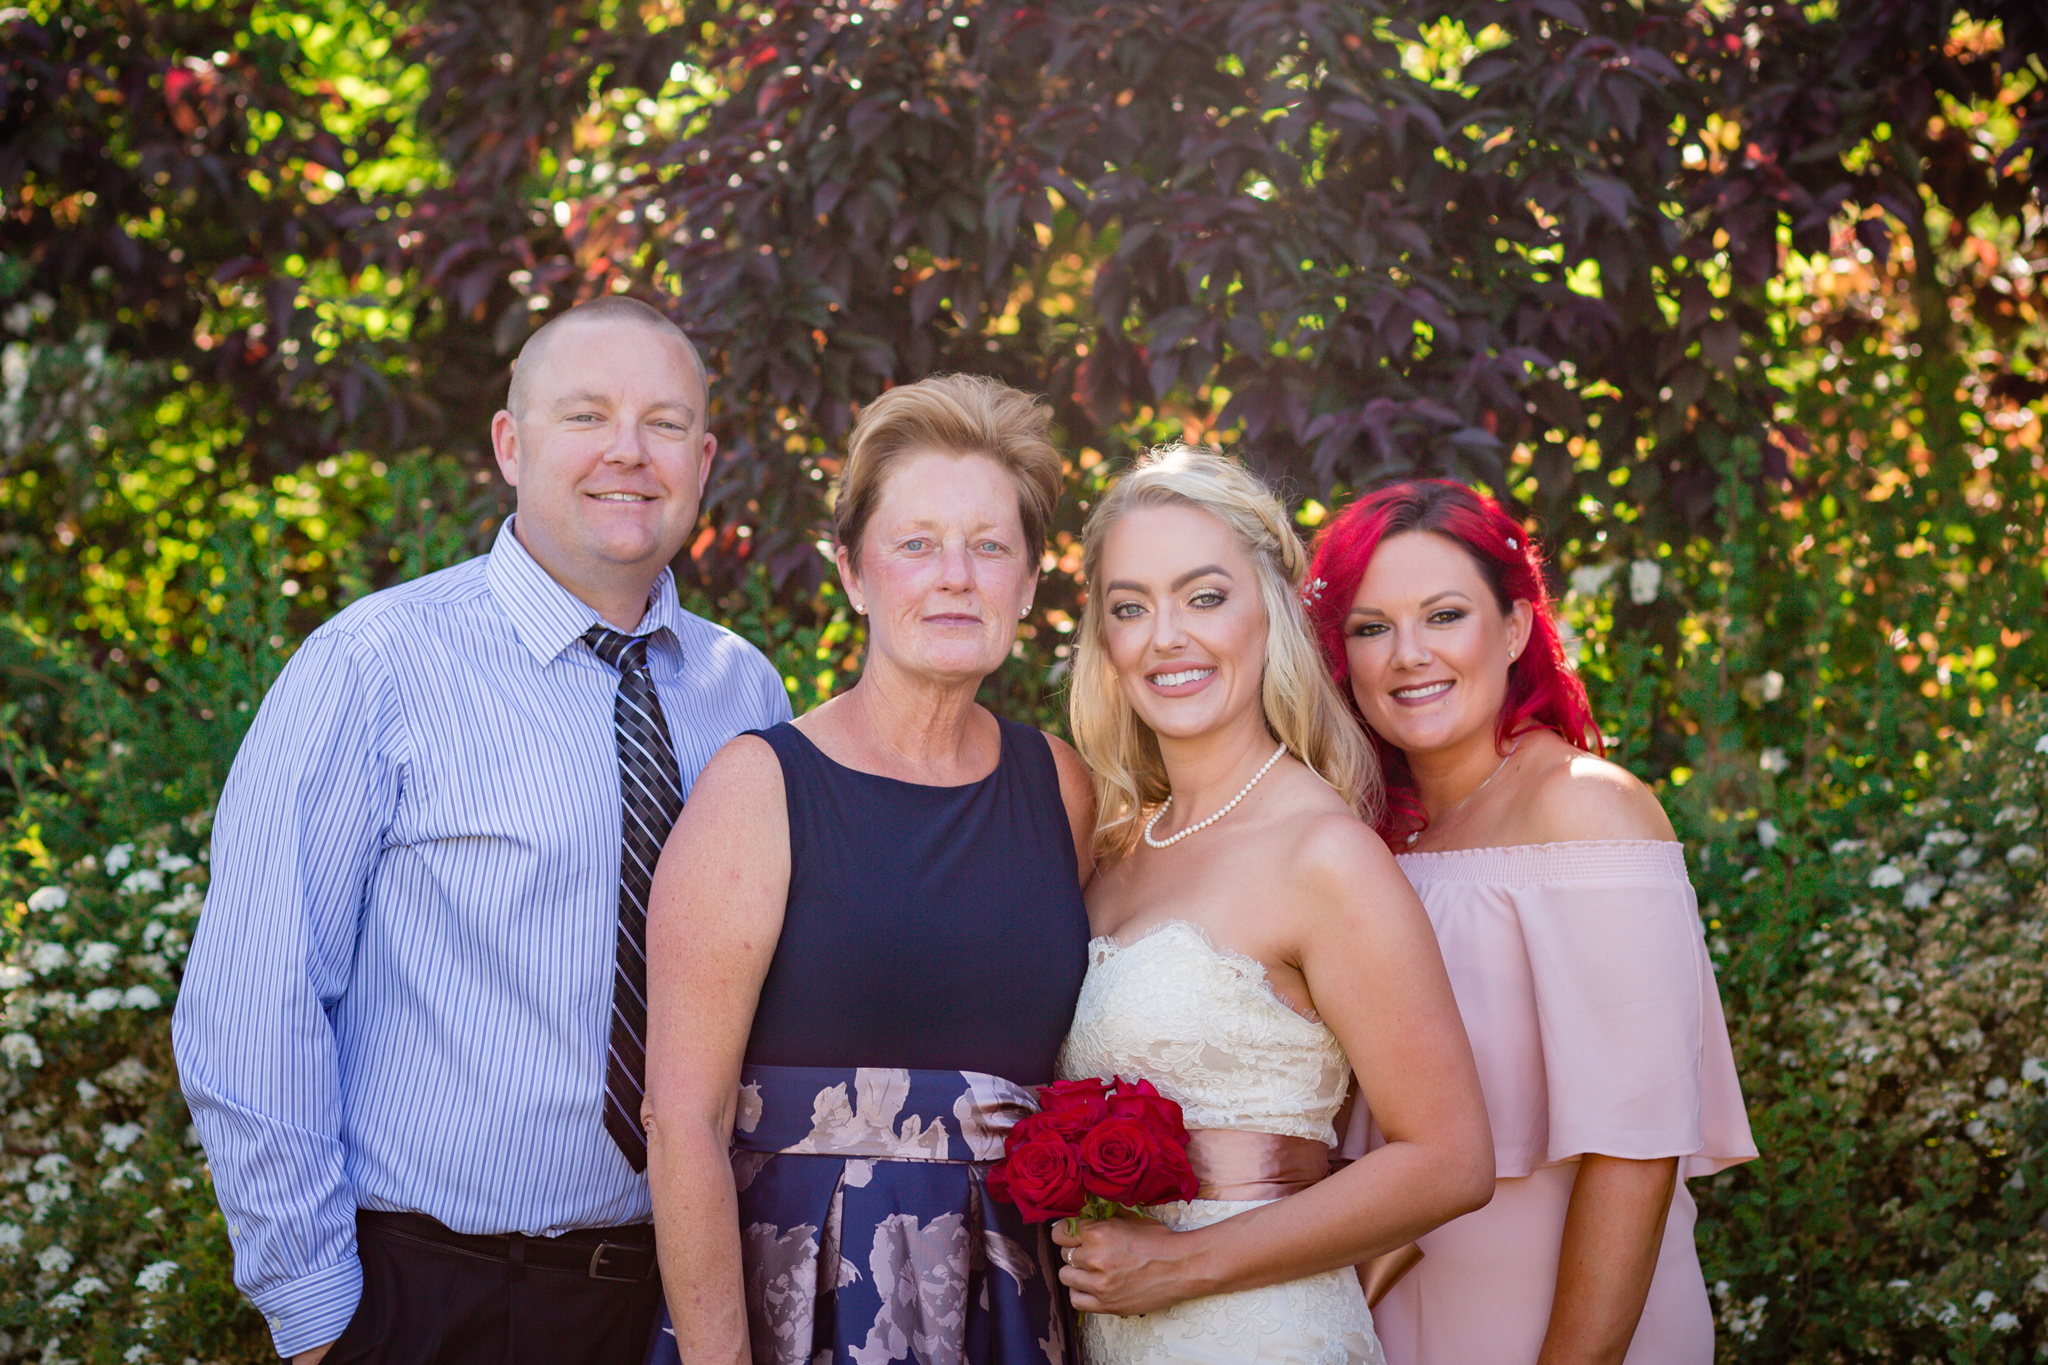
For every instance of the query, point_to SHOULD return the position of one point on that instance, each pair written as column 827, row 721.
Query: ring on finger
column 1067, row 1254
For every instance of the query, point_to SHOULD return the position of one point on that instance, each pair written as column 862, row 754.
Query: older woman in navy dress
column 866, row 939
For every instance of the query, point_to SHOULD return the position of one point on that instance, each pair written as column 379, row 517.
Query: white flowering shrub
column 1895, row 1061
column 112, row 1248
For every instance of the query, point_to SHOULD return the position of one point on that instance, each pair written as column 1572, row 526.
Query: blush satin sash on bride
column 1235, row 1164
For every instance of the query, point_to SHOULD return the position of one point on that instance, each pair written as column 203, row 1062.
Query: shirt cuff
column 314, row 1309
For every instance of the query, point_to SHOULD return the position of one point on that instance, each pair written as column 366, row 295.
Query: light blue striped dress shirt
column 399, row 993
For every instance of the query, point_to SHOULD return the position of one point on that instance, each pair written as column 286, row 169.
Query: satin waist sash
column 1234, row 1164
column 878, row 1113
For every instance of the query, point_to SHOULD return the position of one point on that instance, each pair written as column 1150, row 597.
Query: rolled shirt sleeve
column 296, row 839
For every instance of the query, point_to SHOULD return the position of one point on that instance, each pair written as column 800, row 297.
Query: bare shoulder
column 1575, row 797
column 1073, row 772
column 1339, row 858
column 744, row 777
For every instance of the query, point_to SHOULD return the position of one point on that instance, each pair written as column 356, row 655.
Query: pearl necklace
column 1171, row 840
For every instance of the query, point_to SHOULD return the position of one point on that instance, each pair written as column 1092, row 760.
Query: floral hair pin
column 1514, row 544
column 1312, row 592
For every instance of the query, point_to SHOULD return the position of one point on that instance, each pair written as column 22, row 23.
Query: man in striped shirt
column 407, row 1029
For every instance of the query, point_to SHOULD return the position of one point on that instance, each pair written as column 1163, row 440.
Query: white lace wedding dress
column 1204, row 1026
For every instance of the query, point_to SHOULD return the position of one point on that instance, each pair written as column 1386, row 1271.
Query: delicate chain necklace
column 1417, row 834
column 1171, row 840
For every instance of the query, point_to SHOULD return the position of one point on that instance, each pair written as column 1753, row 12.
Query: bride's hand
column 1126, row 1265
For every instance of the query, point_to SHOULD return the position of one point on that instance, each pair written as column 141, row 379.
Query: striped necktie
column 650, row 799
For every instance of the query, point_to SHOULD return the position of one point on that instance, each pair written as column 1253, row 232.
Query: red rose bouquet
column 1093, row 1148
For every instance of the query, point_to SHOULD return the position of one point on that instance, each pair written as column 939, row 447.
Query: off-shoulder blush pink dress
column 1583, row 978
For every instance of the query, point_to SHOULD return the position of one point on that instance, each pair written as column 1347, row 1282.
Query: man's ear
column 505, row 445
column 704, row 465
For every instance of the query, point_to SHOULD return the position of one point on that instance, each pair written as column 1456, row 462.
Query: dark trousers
column 429, row 1304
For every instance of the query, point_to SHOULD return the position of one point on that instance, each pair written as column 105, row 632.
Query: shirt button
column 234, row 1229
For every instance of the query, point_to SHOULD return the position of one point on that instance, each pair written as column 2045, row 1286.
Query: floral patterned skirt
column 867, row 1233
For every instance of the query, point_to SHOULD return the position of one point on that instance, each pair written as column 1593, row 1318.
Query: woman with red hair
column 1559, row 897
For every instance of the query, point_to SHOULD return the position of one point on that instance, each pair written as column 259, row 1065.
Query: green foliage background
column 1737, row 303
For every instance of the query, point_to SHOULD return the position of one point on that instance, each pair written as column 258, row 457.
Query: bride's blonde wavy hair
column 1302, row 707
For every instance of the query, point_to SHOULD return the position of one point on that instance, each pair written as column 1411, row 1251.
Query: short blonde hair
column 1302, row 707
column 955, row 414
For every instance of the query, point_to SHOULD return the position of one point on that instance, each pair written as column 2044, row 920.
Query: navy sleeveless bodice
column 929, row 928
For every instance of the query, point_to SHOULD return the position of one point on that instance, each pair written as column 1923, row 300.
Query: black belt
column 625, row 1254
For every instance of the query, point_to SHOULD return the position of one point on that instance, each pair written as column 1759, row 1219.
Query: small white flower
column 49, row 957
column 1771, row 685
column 19, row 1049
column 1890, row 1003
column 1889, row 874
column 88, row 1093
column 1918, row 896
column 1982, row 1303
column 65, row 1303
column 13, row 977
column 55, row 1260
column 97, row 956
column 1590, row 580
column 1773, row 761
column 89, row 1284
column 2019, row 855
column 127, row 1172
column 128, row 1074
column 136, row 1354
column 1843, row 847
column 120, row 1136
column 156, row 1275
column 10, row 1239
column 170, row 864
column 52, row 1163
column 49, row 898
column 1751, row 874
column 1767, row 834
column 2041, row 745
column 103, row 999
column 2004, row 1322
column 1996, row 1087
column 142, row 879
column 1645, row 576
column 118, row 857
column 141, row 998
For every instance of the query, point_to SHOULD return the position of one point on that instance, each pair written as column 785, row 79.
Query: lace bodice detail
column 1204, row 1025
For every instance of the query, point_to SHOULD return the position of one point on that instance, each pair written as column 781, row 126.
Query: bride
column 1255, row 944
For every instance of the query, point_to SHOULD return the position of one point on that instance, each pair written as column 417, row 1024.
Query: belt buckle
column 597, row 1259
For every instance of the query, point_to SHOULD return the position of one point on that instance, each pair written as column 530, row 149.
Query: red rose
column 1042, row 1178
column 1071, row 1108
column 1117, row 1161
column 1139, row 1103
column 1170, row 1177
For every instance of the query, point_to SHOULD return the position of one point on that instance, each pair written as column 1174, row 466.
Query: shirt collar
column 546, row 616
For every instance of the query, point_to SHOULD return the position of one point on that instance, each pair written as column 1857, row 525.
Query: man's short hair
column 605, row 308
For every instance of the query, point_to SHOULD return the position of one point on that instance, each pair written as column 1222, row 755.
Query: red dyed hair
column 1543, row 693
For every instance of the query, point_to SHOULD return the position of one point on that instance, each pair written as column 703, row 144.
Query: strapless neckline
column 1253, row 970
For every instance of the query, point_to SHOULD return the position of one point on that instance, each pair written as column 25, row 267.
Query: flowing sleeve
column 1636, row 1058
column 1582, row 977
